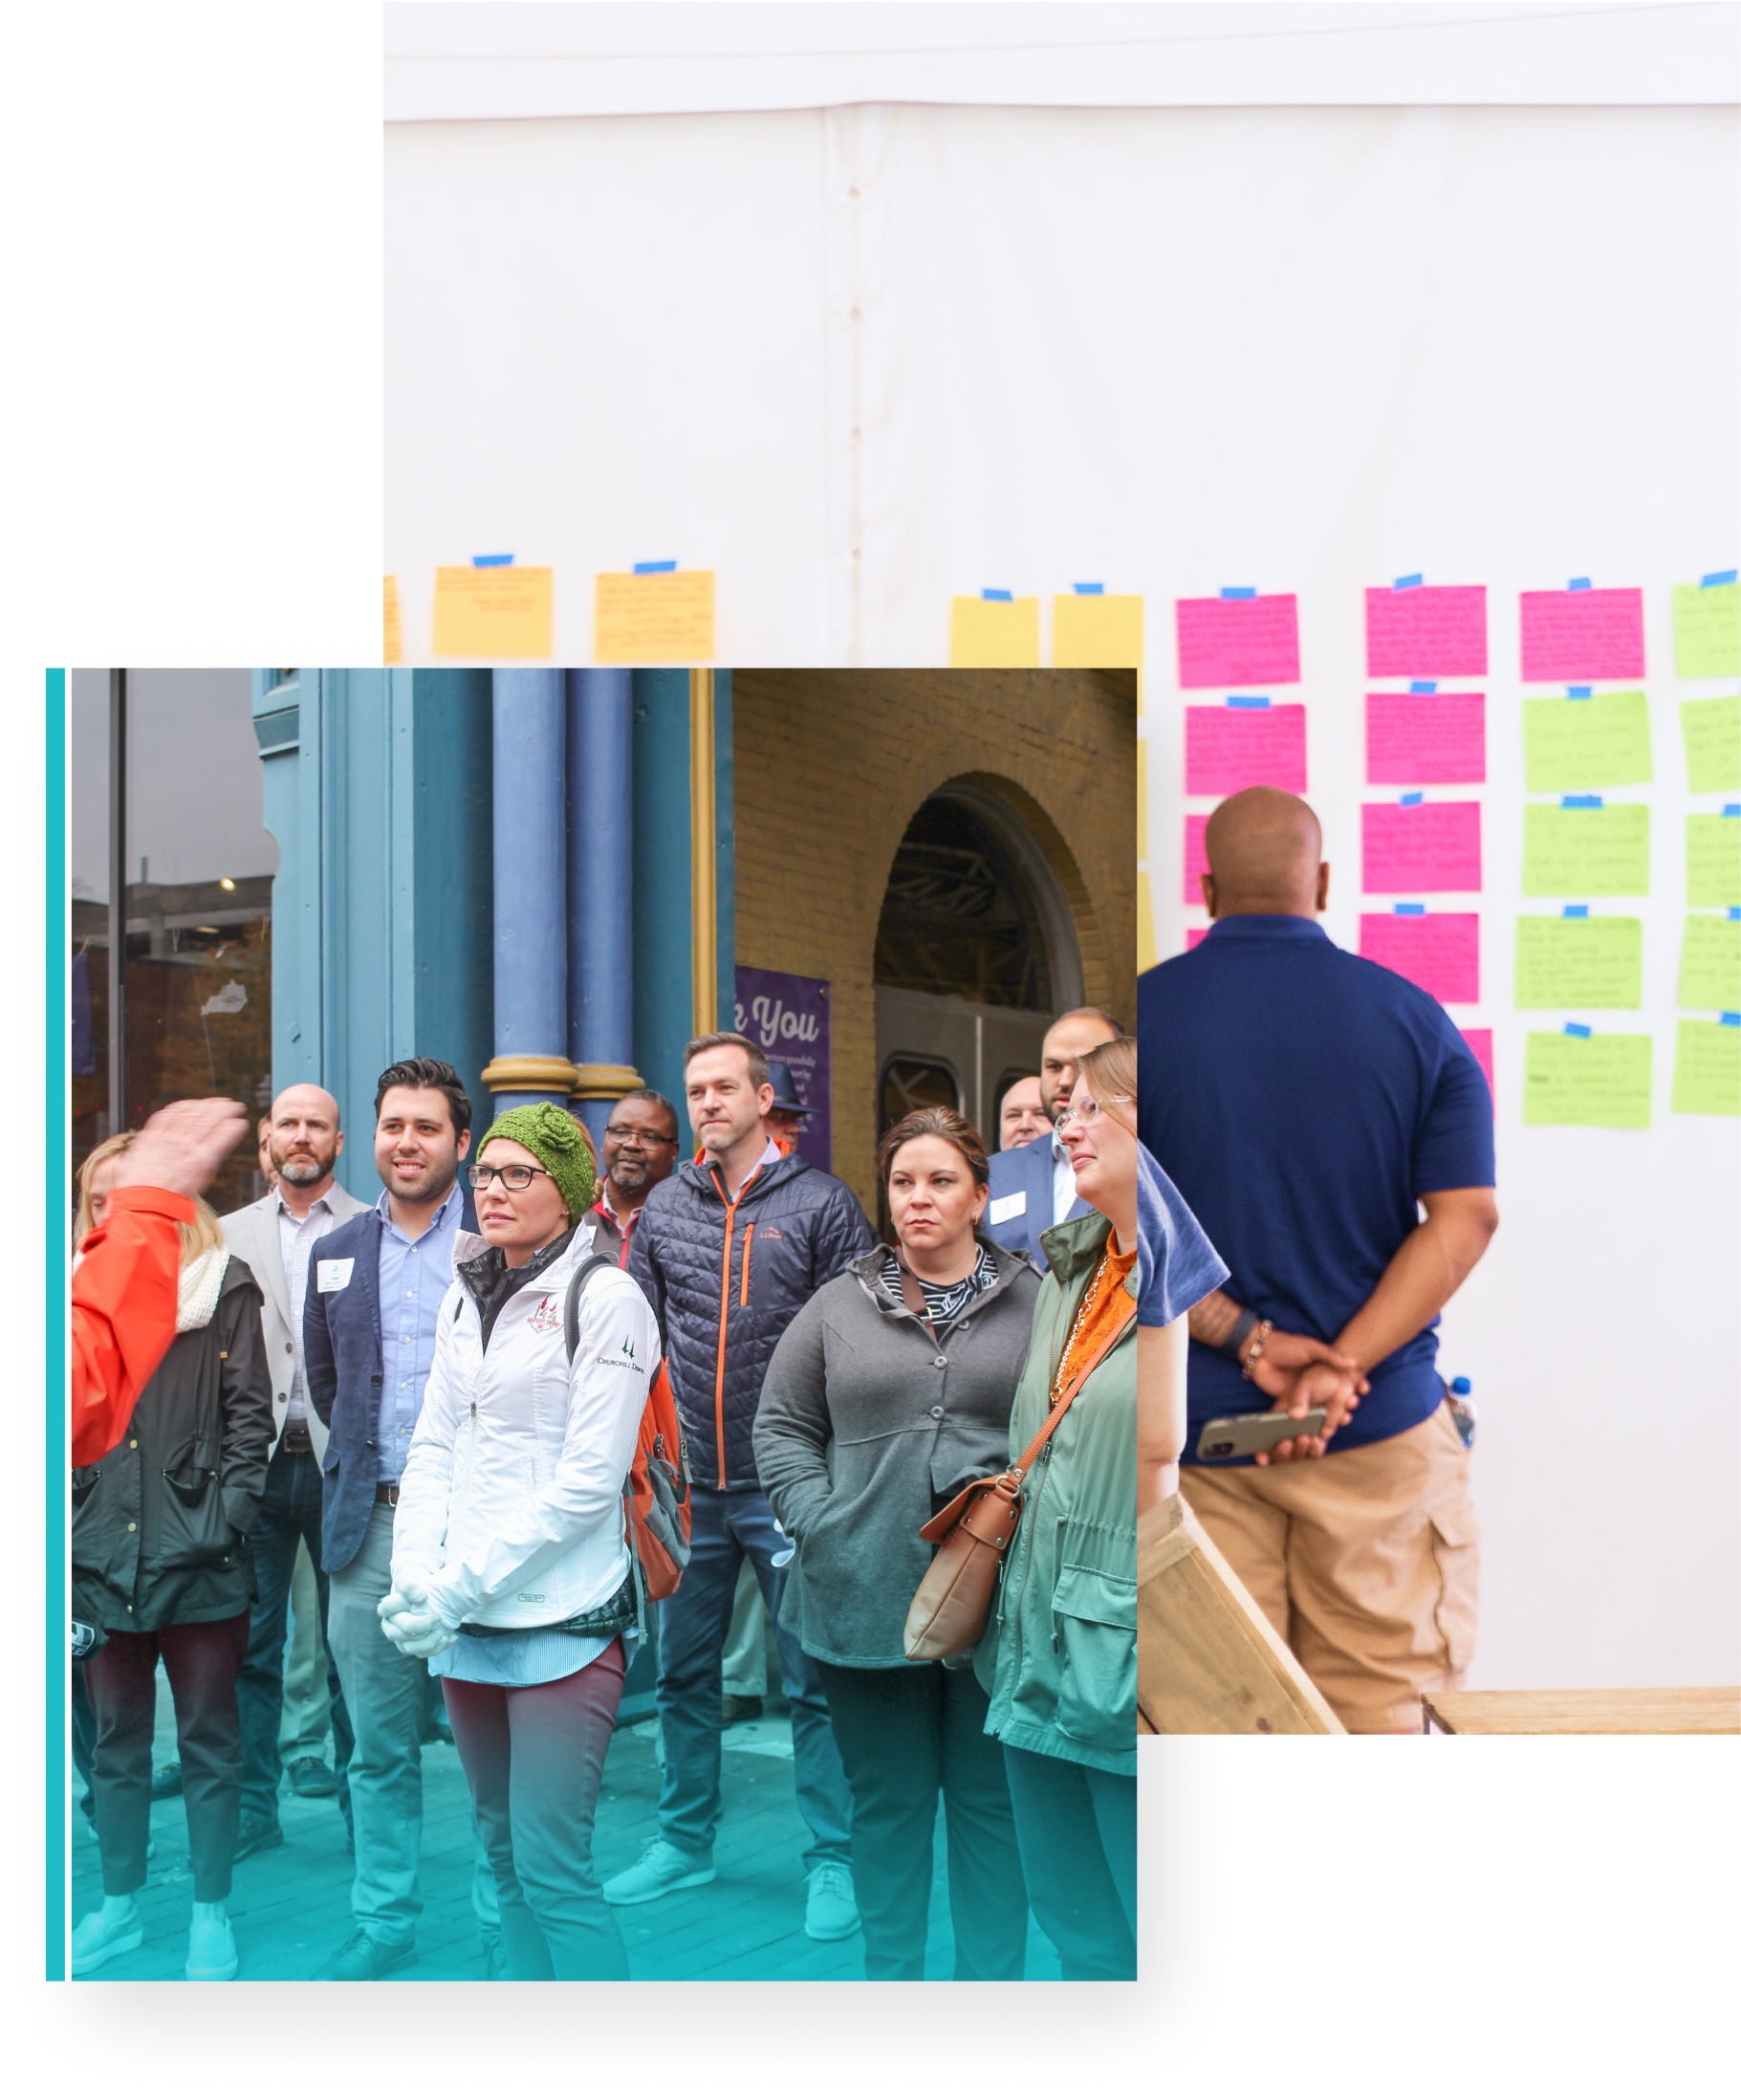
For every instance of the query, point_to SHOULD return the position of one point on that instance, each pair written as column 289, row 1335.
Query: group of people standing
column 443, row 1404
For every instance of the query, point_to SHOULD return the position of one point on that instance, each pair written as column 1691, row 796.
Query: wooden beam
column 1208, row 1663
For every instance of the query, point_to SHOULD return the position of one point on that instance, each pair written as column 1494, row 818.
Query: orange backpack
column 655, row 1494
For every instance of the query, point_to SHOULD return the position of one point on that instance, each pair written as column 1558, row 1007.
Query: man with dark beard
column 275, row 1238
column 640, row 1150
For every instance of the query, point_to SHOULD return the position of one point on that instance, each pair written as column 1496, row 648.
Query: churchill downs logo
column 625, row 1362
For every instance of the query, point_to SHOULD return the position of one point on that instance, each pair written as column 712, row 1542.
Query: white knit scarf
column 197, row 1292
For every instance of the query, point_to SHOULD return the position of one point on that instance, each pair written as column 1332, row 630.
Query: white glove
column 411, row 1623
column 402, row 1598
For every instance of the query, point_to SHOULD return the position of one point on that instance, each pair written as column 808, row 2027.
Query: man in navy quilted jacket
column 728, row 1251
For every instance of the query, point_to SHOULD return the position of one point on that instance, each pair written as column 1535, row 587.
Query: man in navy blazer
column 1031, row 1186
column 376, row 1288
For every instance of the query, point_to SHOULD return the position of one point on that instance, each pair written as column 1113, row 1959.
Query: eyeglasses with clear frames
column 512, row 1177
column 1089, row 1113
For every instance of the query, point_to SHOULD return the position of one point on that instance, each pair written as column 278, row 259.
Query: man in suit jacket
column 368, row 1331
column 1032, row 1187
column 275, row 1238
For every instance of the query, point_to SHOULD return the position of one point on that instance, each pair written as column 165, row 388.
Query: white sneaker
column 659, row 1869
column 211, row 1950
column 97, row 1938
column 832, row 1911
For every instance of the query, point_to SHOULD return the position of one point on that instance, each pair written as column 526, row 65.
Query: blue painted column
column 527, row 811
column 600, row 895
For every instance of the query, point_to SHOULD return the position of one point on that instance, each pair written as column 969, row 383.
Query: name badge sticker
column 334, row 1276
column 1005, row 1207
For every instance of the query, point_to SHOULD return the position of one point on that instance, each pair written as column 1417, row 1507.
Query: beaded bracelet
column 1264, row 1329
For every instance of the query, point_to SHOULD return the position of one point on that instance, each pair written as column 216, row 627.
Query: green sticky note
column 1710, row 963
column 1586, row 852
column 1707, row 630
column 1602, row 1082
column 1601, row 742
column 1713, row 861
column 1712, row 732
column 1576, row 963
column 1706, row 1069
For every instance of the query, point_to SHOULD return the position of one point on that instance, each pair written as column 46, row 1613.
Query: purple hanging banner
column 788, row 1016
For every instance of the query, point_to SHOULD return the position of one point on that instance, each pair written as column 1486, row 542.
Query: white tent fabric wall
column 1169, row 350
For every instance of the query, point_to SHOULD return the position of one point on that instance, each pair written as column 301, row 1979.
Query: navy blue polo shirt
column 1300, row 1098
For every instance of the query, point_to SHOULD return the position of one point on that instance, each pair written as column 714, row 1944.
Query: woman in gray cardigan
column 874, row 1415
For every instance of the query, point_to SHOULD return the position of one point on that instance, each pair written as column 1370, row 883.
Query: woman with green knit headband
column 511, row 1565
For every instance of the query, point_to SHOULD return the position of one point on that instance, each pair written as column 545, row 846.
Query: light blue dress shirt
column 414, row 1279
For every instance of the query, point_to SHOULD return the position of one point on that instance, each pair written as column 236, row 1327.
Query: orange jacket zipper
column 743, row 1294
column 725, row 1306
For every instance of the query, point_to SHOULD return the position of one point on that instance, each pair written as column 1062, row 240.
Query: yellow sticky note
column 994, row 634
column 1601, row 742
column 1713, row 860
column 1706, row 1069
column 1710, row 963
column 1092, row 632
column 492, row 613
column 1147, row 956
column 1601, row 1082
column 390, row 648
column 1586, row 852
column 1707, row 630
column 1712, row 732
column 666, row 618
column 1577, row 964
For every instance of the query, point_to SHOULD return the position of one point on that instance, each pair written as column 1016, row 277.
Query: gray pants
column 386, row 1695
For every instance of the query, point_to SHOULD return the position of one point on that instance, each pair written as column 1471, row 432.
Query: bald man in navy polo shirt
column 1310, row 1105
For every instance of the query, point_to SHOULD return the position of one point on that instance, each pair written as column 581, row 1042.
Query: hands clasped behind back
column 410, row 1623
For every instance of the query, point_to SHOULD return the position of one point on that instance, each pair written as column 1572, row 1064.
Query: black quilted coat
column 725, row 1282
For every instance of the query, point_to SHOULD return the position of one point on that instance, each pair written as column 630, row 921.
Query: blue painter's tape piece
column 1730, row 1021
column 1246, row 700
column 654, row 568
column 1577, row 1028
column 1735, row 912
column 1088, row 590
column 1410, row 801
column 1580, row 802
column 1716, row 576
column 1237, row 590
column 1422, row 684
column 492, row 561
column 1001, row 598
column 1409, row 911
column 1578, row 583
column 1576, row 912
column 1732, row 809
column 1579, row 692
column 1407, row 583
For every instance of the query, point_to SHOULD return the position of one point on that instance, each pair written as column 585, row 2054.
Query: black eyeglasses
column 512, row 1177
column 626, row 1132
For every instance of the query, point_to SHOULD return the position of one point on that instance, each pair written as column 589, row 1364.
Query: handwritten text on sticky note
column 1601, row 1082
column 1569, row 964
column 1706, row 1070
column 1423, row 739
column 1711, row 731
column 1710, row 963
column 1227, row 749
column 1583, row 634
column 1707, row 630
column 1238, row 642
column 492, row 613
column 1713, row 860
column 1601, row 742
column 663, row 617
column 1586, row 852
column 1426, row 846
column 1430, row 631
column 1439, row 950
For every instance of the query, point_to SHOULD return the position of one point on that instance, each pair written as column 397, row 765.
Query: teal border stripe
column 56, row 1322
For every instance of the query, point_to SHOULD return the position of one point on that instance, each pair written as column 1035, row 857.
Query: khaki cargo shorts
column 1365, row 1562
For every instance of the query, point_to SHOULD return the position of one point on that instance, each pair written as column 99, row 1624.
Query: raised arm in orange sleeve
column 123, row 1312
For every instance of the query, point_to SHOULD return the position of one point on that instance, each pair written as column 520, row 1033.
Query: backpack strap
column 570, row 1305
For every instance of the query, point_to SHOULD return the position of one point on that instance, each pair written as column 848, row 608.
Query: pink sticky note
column 1439, row 950
column 1481, row 1042
column 1227, row 749
column 1428, row 631
column 1238, row 641
column 1583, row 634
column 1425, row 846
column 1193, row 934
column 1196, row 859
column 1418, row 739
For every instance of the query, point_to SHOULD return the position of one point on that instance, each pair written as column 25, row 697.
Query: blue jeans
column 1077, row 1827
column 693, row 1628
column 290, row 1510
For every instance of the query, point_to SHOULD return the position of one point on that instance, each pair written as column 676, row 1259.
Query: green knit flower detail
column 561, row 1144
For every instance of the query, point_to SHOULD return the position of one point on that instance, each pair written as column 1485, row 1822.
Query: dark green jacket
column 1059, row 1658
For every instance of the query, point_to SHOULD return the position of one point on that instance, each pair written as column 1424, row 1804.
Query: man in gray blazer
column 274, row 1237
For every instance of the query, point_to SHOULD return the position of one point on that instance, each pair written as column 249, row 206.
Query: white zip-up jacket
column 511, row 1510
